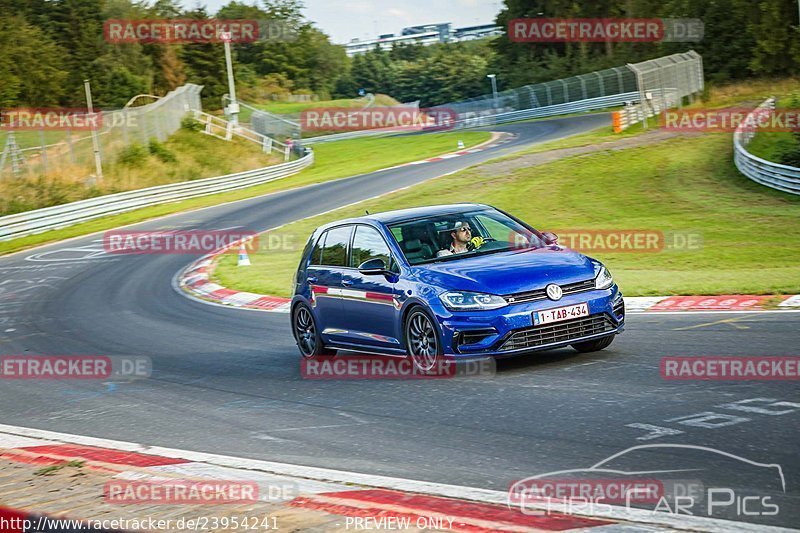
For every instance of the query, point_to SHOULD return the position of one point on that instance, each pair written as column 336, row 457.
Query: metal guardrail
column 484, row 119
column 781, row 177
column 49, row 218
column 579, row 106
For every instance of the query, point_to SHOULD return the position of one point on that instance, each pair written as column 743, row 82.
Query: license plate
column 560, row 313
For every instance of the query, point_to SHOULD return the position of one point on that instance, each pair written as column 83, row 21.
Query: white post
column 493, row 77
column 233, row 107
column 95, row 141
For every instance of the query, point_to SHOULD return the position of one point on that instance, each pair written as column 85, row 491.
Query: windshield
column 454, row 236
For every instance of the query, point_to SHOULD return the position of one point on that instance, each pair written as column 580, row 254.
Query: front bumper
column 510, row 330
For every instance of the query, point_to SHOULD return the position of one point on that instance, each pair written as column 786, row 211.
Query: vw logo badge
column 554, row 292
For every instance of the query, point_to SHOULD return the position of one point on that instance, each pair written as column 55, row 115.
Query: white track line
column 679, row 522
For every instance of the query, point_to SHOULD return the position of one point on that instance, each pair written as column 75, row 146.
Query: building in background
column 425, row 35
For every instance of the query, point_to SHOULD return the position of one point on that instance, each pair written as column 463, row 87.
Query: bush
column 189, row 123
column 161, row 152
column 132, row 155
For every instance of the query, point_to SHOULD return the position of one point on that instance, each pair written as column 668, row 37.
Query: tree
column 205, row 65
column 30, row 65
column 776, row 50
column 77, row 25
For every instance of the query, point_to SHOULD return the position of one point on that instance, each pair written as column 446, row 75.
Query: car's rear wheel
column 307, row 334
column 422, row 340
column 595, row 345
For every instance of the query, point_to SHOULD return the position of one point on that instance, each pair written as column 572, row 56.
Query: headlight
column 463, row 301
column 603, row 280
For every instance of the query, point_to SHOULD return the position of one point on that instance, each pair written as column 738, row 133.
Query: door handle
column 346, row 282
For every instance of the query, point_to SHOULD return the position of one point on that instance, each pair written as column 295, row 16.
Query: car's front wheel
column 307, row 334
column 422, row 340
column 595, row 345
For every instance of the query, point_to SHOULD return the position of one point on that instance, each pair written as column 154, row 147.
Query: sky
column 344, row 20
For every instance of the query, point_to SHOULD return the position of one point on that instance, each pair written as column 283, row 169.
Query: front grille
column 558, row 332
column 541, row 294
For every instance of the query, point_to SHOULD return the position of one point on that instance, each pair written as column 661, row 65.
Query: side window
column 334, row 252
column 369, row 244
column 495, row 229
column 316, row 255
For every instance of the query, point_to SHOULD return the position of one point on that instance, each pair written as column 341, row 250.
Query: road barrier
column 61, row 216
column 223, row 129
column 634, row 113
column 655, row 84
column 781, row 177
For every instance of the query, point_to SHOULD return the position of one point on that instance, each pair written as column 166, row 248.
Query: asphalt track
column 227, row 381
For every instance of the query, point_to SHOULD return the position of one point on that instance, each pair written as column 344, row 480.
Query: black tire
column 595, row 345
column 307, row 335
column 423, row 344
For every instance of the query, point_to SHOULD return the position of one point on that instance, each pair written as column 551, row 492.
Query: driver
column 462, row 240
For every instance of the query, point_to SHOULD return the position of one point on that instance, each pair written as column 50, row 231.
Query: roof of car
column 399, row 215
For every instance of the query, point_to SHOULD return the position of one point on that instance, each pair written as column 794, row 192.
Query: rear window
column 316, row 255
column 334, row 251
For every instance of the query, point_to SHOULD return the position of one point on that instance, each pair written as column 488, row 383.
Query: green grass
column 751, row 234
column 30, row 138
column 48, row 470
column 333, row 160
column 185, row 155
column 287, row 108
column 772, row 145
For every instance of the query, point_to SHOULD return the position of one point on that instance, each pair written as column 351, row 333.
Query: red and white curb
column 344, row 493
column 195, row 281
column 730, row 302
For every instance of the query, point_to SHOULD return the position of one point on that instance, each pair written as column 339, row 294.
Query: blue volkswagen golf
column 460, row 280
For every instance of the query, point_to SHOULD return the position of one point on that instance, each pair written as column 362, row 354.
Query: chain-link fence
column 601, row 83
column 66, row 152
column 279, row 127
column 667, row 79
column 274, row 126
column 657, row 84
column 664, row 82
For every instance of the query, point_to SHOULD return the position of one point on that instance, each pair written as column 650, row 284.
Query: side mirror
column 373, row 267
column 550, row 237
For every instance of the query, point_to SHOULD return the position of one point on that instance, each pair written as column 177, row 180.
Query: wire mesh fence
column 667, row 79
column 72, row 153
column 652, row 85
column 664, row 82
column 279, row 127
